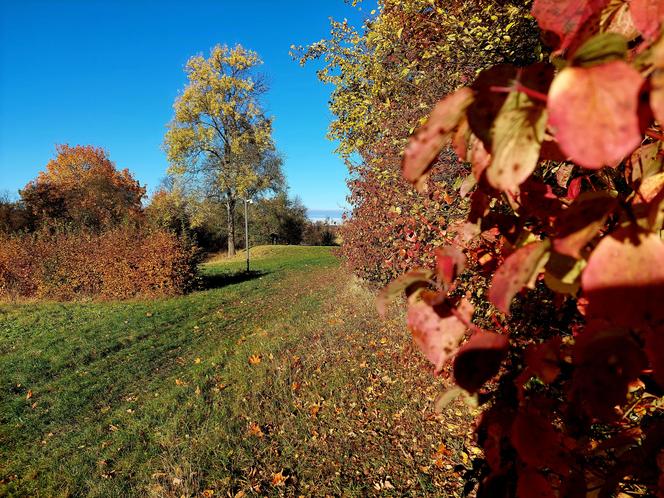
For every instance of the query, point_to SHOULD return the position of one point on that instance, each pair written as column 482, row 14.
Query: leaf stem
column 654, row 134
column 519, row 87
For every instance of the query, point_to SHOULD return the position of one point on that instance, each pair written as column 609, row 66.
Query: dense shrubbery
column 566, row 182
column 118, row 263
column 81, row 187
column 79, row 231
column 412, row 52
column 568, row 201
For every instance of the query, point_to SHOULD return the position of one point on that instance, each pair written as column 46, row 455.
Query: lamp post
column 246, row 230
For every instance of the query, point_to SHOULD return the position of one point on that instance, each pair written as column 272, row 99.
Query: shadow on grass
column 219, row 280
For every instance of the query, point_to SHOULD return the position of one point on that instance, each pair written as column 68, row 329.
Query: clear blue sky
column 107, row 72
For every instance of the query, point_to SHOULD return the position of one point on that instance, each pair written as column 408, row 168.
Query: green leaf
column 601, row 48
column 517, row 135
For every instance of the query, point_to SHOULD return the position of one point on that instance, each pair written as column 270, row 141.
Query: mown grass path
column 281, row 382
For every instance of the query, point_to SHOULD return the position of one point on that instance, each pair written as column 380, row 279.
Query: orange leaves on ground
column 426, row 144
column 279, row 479
column 254, row 359
column 519, row 270
column 314, row 408
column 628, row 264
column 594, row 112
column 255, row 430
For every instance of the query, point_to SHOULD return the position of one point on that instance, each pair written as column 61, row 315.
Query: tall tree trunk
column 230, row 208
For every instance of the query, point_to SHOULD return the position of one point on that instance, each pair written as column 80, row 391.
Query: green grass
column 159, row 398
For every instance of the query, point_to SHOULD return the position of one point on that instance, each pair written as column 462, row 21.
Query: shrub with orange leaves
column 119, row 263
column 82, row 188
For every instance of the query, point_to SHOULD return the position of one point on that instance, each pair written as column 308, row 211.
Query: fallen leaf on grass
column 279, row 479
column 255, row 430
column 29, row 395
column 314, row 409
column 254, row 359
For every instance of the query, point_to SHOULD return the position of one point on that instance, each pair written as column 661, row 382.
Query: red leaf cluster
column 568, row 185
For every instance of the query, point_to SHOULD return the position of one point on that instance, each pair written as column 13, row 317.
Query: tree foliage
column 278, row 220
column 384, row 75
column 564, row 234
column 82, row 188
column 219, row 132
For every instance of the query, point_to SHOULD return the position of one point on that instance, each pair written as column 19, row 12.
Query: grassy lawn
column 281, row 382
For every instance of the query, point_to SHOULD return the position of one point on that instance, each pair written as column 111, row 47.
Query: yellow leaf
column 254, row 359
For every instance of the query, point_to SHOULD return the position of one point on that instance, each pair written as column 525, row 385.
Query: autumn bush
column 118, row 263
column 384, row 75
column 82, row 188
column 546, row 303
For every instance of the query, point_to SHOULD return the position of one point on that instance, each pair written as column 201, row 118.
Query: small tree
column 83, row 188
column 277, row 220
column 220, row 135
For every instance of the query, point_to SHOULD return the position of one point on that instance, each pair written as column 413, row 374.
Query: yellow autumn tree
column 220, row 135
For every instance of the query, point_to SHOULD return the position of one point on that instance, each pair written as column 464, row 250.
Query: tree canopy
column 82, row 187
column 220, row 134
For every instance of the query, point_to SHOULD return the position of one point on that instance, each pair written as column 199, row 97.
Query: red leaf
column 647, row 16
column 543, row 359
column 628, row 264
column 518, row 271
column 436, row 331
column 536, row 441
column 565, row 18
column 582, row 221
column 616, row 18
column 450, row 262
column 479, row 359
column 486, row 105
column 424, row 147
column 594, row 113
column 479, row 157
column 574, row 188
column 655, row 352
column 607, row 359
column 533, row 484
